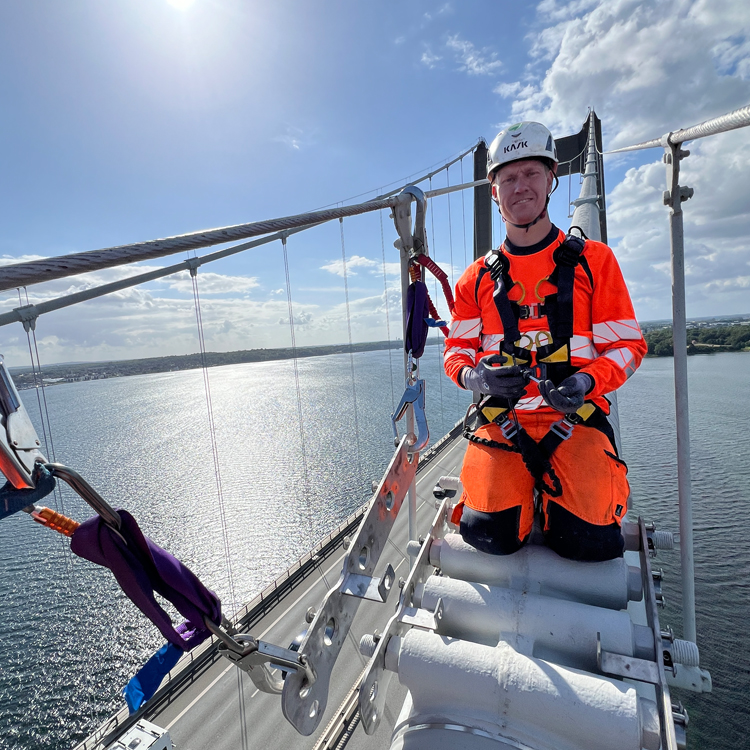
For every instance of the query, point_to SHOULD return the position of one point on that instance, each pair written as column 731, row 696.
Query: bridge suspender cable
column 351, row 345
column 297, row 388
column 387, row 315
column 437, row 333
column 212, row 434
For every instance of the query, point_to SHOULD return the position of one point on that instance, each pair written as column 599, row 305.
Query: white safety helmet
column 524, row 140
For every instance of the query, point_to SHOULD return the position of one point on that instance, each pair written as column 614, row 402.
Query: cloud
column 477, row 62
column 429, row 59
column 356, row 261
column 212, row 283
column 295, row 138
column 647, row 72
column 716, row 228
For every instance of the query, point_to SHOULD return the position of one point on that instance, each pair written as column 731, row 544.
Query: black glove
column 505, row 381
column 569, row 395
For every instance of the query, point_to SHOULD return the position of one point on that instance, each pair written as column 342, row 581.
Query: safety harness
column 553, row 363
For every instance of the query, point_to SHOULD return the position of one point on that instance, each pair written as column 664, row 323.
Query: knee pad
column 493, row 533
column 575, row 539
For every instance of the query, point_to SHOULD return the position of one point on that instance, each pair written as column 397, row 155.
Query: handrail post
column 674, row 198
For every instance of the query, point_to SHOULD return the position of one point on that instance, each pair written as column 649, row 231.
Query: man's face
column 520, row 189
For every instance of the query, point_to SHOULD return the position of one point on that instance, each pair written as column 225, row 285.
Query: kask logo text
column 515, row 146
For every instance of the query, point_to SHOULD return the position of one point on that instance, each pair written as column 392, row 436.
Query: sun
column 181, row 4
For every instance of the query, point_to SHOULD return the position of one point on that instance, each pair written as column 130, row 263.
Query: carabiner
column 414, row 395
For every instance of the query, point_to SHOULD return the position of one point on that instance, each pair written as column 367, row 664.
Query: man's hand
column 569, row 395
column 505, row 382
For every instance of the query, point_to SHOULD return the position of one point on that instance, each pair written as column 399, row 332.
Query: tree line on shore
column 700, row 340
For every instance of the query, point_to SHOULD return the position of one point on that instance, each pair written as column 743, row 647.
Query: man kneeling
column 543, row 328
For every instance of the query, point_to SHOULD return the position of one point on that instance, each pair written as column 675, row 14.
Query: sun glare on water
column 181, row 4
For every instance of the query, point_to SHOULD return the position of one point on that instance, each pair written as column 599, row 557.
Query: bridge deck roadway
column 222, row 709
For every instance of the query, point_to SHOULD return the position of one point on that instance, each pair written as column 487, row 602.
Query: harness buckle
column 508, row 427
column 564, row 428
column 534, row 311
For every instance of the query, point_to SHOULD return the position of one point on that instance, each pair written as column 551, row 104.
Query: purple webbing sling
column 141, row 568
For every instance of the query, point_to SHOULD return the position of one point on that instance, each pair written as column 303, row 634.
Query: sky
column 128, row 120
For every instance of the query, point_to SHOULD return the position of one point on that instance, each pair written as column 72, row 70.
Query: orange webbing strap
column 55, row 521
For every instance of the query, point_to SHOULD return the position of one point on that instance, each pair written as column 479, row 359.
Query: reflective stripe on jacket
column 607, row 342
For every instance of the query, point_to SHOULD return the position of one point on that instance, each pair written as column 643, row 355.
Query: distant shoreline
column 77, row 372
column 703, row 337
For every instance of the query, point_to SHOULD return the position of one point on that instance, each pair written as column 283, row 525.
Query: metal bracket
column 193, row 265
column 422, row 618
column 625, row 666
column 374, row 688
column 28, row 315
column 367, row 587
column 304, row 701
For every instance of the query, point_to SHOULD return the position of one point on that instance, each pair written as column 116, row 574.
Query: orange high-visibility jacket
column 607, row 343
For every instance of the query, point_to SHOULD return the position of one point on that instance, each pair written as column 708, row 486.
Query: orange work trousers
column 593, row 480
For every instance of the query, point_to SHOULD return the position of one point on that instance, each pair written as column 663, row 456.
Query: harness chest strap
column 557, row 307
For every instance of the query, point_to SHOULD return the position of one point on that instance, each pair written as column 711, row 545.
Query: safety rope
column 387, row 316
column 212, row 433
column 351, row 345
column 297, row 388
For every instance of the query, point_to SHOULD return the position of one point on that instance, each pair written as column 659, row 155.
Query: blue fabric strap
column 148, row 678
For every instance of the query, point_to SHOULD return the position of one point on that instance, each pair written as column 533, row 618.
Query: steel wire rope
column 242, row 712
column 298, row 389
column 351, row 345
column 440, row 338
column 402, row 182
column 463, row 213
column 214, row 443
column 387, row 316
column 437, row 333
column 58, row 498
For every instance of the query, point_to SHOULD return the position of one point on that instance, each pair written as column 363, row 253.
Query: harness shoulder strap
column 559, row 306
column 498, row 265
